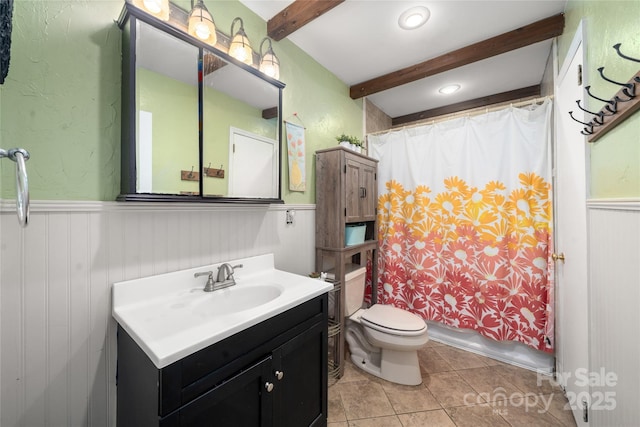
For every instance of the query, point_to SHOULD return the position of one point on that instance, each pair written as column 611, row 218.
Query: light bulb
column 270, row 65
column 152, row 6
column 447, row 90
column 202, row 31
column 414, row 17
column 239, row 53
column 157, row 8
column 413, row 20
column 269, row 70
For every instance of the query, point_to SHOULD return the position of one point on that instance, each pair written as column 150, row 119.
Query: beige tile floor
column 459, row 389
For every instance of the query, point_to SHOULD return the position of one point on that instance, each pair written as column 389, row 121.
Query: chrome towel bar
column 20, row 156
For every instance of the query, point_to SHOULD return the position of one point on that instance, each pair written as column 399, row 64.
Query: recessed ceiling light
column 447, row 90
column 414, row 17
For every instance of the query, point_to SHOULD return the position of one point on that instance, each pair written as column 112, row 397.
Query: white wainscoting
column 57, row 336
column 614, row 312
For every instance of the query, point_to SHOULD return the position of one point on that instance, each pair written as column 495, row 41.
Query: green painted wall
column 615, row 158
column 61, row 100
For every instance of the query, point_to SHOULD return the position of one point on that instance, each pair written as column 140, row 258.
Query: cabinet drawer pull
column 279, row 375
column 268, row 386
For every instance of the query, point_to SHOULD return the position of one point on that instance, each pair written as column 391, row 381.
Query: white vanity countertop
column 168, row 315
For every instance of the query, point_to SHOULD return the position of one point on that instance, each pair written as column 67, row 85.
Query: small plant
column 350, row 139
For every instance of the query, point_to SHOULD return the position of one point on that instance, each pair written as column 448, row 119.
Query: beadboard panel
column 614, row 251
column 57, row 343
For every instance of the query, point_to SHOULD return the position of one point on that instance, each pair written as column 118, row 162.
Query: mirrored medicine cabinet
column 197, row 125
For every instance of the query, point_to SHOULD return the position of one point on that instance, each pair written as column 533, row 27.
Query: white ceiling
column 360, row 39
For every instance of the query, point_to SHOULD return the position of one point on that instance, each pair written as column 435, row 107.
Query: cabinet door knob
column 279, row 375
column 268, row 386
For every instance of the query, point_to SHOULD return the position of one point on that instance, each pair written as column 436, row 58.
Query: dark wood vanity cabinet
column 272, row 374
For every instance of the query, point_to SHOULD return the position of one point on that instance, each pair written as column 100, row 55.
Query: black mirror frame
column 6, row 15
column 128, row 17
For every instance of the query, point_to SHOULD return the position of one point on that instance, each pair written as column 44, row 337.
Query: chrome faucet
column 224, row 280
column 225, row 275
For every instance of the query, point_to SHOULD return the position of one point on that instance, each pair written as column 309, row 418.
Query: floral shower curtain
column 465, row 223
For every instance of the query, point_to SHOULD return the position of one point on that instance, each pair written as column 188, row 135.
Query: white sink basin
column 170, row 316
column 235, row 299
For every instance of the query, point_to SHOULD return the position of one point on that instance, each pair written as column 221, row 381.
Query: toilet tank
column 354, row 290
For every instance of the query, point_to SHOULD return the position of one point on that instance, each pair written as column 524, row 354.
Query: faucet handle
column 210, row 284
column 233, row 270
column 204, row 273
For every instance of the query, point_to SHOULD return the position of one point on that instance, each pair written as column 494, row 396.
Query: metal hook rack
column 213, row 172
column 20, row 156
column 186, row 175
column 618, row 108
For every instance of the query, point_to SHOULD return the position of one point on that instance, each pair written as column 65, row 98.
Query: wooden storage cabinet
column 360, row 189
column 272, row 374
column 346, row 193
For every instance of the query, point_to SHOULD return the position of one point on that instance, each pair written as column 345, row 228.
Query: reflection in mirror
column 240, row 132
column 185, row 105
column 167, row 113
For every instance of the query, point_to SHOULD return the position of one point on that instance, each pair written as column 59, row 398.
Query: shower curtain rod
column 468, row 113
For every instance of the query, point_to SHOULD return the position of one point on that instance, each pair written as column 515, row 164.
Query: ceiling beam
column 521, row 37
column 484, row 101
column 296, row 15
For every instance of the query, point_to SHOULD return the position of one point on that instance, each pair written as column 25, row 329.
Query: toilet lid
column 387, row 318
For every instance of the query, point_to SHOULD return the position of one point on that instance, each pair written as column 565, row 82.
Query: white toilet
column 383, row 340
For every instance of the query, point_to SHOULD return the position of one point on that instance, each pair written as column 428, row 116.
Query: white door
column 572, row 331
column 253, row 161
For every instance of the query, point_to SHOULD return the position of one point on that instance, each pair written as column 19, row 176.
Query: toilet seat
column 392, row 320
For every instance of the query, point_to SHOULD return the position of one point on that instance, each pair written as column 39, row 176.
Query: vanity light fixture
column 240, row 48
column 157, row 8
column 448, row 90
column 201, row 23
column 269, row 62
column 414, row 17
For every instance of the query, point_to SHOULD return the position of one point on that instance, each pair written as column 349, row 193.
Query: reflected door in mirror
column 234, row 99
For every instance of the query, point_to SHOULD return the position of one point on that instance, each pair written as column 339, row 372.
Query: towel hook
column 617, row 48
column 629, row 88
column 587, row 111
column 590, row 124
column 609, row 102
column 601, row 114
